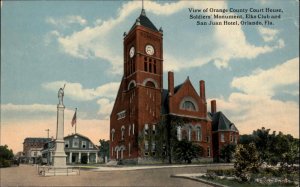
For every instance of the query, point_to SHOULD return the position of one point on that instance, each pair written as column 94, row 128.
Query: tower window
column 150, row 84
column 150, row 67
column 154, row 68
column 123, row 132
column 145, row 66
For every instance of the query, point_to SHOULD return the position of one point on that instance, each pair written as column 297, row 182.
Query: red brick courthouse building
column 143, row 108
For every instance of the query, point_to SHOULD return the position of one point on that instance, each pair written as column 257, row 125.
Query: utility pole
column 47, row 132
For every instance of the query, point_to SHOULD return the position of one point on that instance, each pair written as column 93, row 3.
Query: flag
column 74, row 118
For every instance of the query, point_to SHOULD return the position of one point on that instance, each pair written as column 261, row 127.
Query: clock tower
column 137, row 108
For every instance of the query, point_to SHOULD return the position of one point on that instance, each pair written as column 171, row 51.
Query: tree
column 5, row 156
column 104, row 148
column 246, row 161
column 227, row 152
column 263, row 141
column 186, row 151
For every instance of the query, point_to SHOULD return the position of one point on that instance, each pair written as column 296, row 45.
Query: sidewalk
column 132, row 168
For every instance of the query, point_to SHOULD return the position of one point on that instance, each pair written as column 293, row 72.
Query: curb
column 118, row 168
column 198, row 180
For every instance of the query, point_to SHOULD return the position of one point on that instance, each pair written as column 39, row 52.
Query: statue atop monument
column 61, row 95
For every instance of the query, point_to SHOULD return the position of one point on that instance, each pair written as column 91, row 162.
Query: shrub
column 246, row 161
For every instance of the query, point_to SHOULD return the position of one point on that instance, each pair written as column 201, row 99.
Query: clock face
column 149, row 49
column 131, row 52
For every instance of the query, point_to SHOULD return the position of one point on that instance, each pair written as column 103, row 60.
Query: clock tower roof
column 144, row 21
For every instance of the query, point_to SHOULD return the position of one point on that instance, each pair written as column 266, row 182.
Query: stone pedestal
column 59, row 155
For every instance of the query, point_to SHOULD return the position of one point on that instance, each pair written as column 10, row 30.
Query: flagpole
column 76, row 120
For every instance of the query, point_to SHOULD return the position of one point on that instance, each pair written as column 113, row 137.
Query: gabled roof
column 37, row 140
column 77, row 134
column 221, row 123
column 144, row 21
column 177, row 88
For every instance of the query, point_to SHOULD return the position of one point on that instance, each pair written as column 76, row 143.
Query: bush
column 4, row 163
column 247, row 161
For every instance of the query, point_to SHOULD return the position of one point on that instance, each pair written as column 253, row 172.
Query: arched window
column 199, row 134
column 131, row 84
column 179, row 133
column 188, row 103
column 150, row 84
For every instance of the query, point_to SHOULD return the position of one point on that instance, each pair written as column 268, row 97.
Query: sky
column 251, row 71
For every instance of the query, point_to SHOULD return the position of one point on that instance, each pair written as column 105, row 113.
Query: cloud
column 267, row 33
column 97, row 41
column 254, row 107
column 27, row 111
column 76, row 91
column 264, row 82
column 105, row 107
column 66, row 21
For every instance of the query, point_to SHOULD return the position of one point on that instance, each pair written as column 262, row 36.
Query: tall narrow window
column 179, row 134
column 208, row 151
column 133, row 129
column 207, row 139
column 146, row 129
column 112, row 134
column 146, row 147
column 150, row 67
column 129, row 149
column 190, row 134
column 231, row 138
column 83, row 144
column 153, row 148
column 145, row 66
column 222, row 137
column 199, row 137
column 153, row 129
column 129, row 129
column 123, row 132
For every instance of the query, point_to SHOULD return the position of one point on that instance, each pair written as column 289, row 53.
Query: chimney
column 171, row 83
column 213, row 105
column 202, row 90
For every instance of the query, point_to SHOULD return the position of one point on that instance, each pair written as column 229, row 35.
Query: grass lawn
column 237, row 184
column 266, row 177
